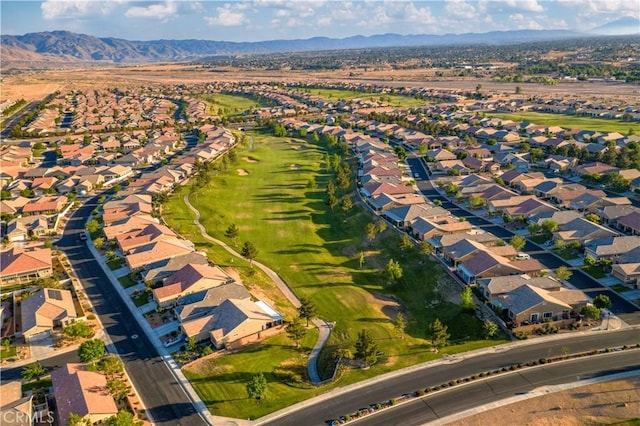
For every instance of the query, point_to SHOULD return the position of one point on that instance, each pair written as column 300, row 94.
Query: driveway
column 42, row 348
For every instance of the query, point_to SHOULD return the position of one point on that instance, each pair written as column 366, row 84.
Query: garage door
column 39, row 336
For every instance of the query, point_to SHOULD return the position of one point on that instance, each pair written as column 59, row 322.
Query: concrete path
column 323, row 327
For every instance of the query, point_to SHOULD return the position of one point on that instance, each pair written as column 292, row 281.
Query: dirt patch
column 294, row 166
column 250, row 159
column 448, row 289
column 299, row 147
column 389, row 306
column 242, row 172
column 601, row 403
column 233, row 273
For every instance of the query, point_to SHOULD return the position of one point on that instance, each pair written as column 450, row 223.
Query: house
column 45, row 205
column 583, row 230
column 609, row 215
column 189, row 279
column 440, row 242
column 45, row 310
column 402, row 217
column 528, row 304
column 201, row 303
column 630, row 224
column 440, row 155
column 495, row 287
column 374, row 188
column 128, row 224
column 385, row 201
column 232, row 320
column 80, row 391
column 424, row 228
column 611, row 247
column 157, row 251
column 627, row 272
column 20, row 265
column 484, row 265
column 15, row 409
column 21, row 228
column 150, row 233
column 160, row 270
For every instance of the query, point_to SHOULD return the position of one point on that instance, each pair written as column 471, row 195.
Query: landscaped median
column 280, row 206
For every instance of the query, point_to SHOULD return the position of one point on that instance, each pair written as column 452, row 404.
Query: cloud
column 520, row 22
column 228, row 16
column 460, row 9
column 526, row 5
column 160, row 11
column 325, row 21
column 54, row 9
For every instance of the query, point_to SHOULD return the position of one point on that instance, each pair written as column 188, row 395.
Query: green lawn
column 45, row 383
column 596, row 271
column 539, row 238
column 127, row 281
column 620, row 288
column 141, row 298
column 393, row 100
column 115, row 263
column 317, row 253
column 7, row 353
column 571, row 121
column 567, row 253
column 231, row 105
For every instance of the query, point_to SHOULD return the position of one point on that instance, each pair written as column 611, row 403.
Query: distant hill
column 68, row 46
column 623, row 26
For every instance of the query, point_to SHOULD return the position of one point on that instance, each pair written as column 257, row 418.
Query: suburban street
column 163, row 397
column 619, row 306
column 338, row 405
column 461, row 398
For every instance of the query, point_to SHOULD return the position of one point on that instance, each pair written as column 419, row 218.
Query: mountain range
column 56, row 46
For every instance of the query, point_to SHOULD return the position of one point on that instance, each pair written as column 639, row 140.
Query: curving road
column 162, row 396
column 342, row 401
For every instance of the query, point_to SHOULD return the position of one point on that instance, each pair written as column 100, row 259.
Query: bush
column 392, row 401
column 420, row 392
column 521, row 335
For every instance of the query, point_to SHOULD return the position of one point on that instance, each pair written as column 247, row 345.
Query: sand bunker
column 294, row 166
column 250, row 159
column 242, row 172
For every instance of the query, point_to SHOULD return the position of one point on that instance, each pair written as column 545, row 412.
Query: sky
column 255, row 20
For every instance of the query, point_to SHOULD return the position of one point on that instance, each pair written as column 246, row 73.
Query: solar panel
column 54, row 294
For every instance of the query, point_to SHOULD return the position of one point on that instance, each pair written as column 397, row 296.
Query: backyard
column 227, row 104
column 318, row 253
column 571, row 121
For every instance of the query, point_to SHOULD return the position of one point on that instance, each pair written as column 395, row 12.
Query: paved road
column 619, row 305
column 461, row 398
column 8, row 374
column 165, row 400
column 338, row 404
column 11, row 121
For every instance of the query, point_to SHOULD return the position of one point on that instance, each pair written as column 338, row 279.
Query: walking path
column 324, row 328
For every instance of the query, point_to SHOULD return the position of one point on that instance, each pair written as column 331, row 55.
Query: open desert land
column 32, row 85
column 616, row 402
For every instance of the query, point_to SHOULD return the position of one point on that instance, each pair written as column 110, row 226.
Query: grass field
column 7, row 353
column 317, row 253
column 596, row 271
column 393, row 100
column 231, row 105
column 571, row 121
column 127, row 281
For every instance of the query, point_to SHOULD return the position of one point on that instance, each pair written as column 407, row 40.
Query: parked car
column 83, row 236
column 523, row 256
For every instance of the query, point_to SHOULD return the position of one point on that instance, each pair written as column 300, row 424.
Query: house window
column 535, row 318
column 547, row 315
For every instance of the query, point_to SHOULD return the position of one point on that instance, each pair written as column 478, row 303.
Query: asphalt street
column 461, row 398
column 619, row 305
column 163, row 397
column 338, row 405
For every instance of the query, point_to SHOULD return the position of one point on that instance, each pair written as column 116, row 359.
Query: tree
column 78, row 329
column 533, row 228
column 518, row 90
column 117, row 388
column 381, row 226
column 232, row 232
column 370, row 231
column 366, row 350
column 426, row 248
column 466, row 300
column 296, row 331
column 91, row 350
column 489, row 329
column 563, row 273
column 592, row 217
column 33, row 371
column 257, row 386
column 346, row 204
column 307, row 309
column 77, row 420
column 549, row 226
column 191, row 344
column 589, row 260
column 123, row 418
column 6, row 343
column 406, row 242
column 518, row 242
column 331, row 188
column 332, row 201
column 590, row 312
column 312, row 184
column 361, row 259
column 439, row 334
column 392, row 272
column 249, row 251
column 98, row 242
column 399, row 325
column 602, row 301
column 92, row 226
column 110, row 364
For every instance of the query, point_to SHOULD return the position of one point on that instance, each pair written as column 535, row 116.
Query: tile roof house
column 189, row 279
column 612, row 247
column 495, row 287
column 15, row 409
column 79, row 391
column 128, row 224
column 45, row 205
column 424, row 228
column 610, row 214
column 630, row 223
column 485, row 265
column 374, row 188
column 402, row 217
column 45, row 309
column 20, row 265
column 232, row 320
column 150, row 233
column 627, row 272
column 529, row 304
column 150, row 254
column 160, row 270
column 583, row 230
column 201, row 303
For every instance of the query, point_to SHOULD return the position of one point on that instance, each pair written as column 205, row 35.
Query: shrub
column 543, row 361
column 392, row 401
column 420, row 392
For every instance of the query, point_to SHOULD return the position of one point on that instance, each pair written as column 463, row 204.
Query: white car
column 416, row 175
column 523, row 256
